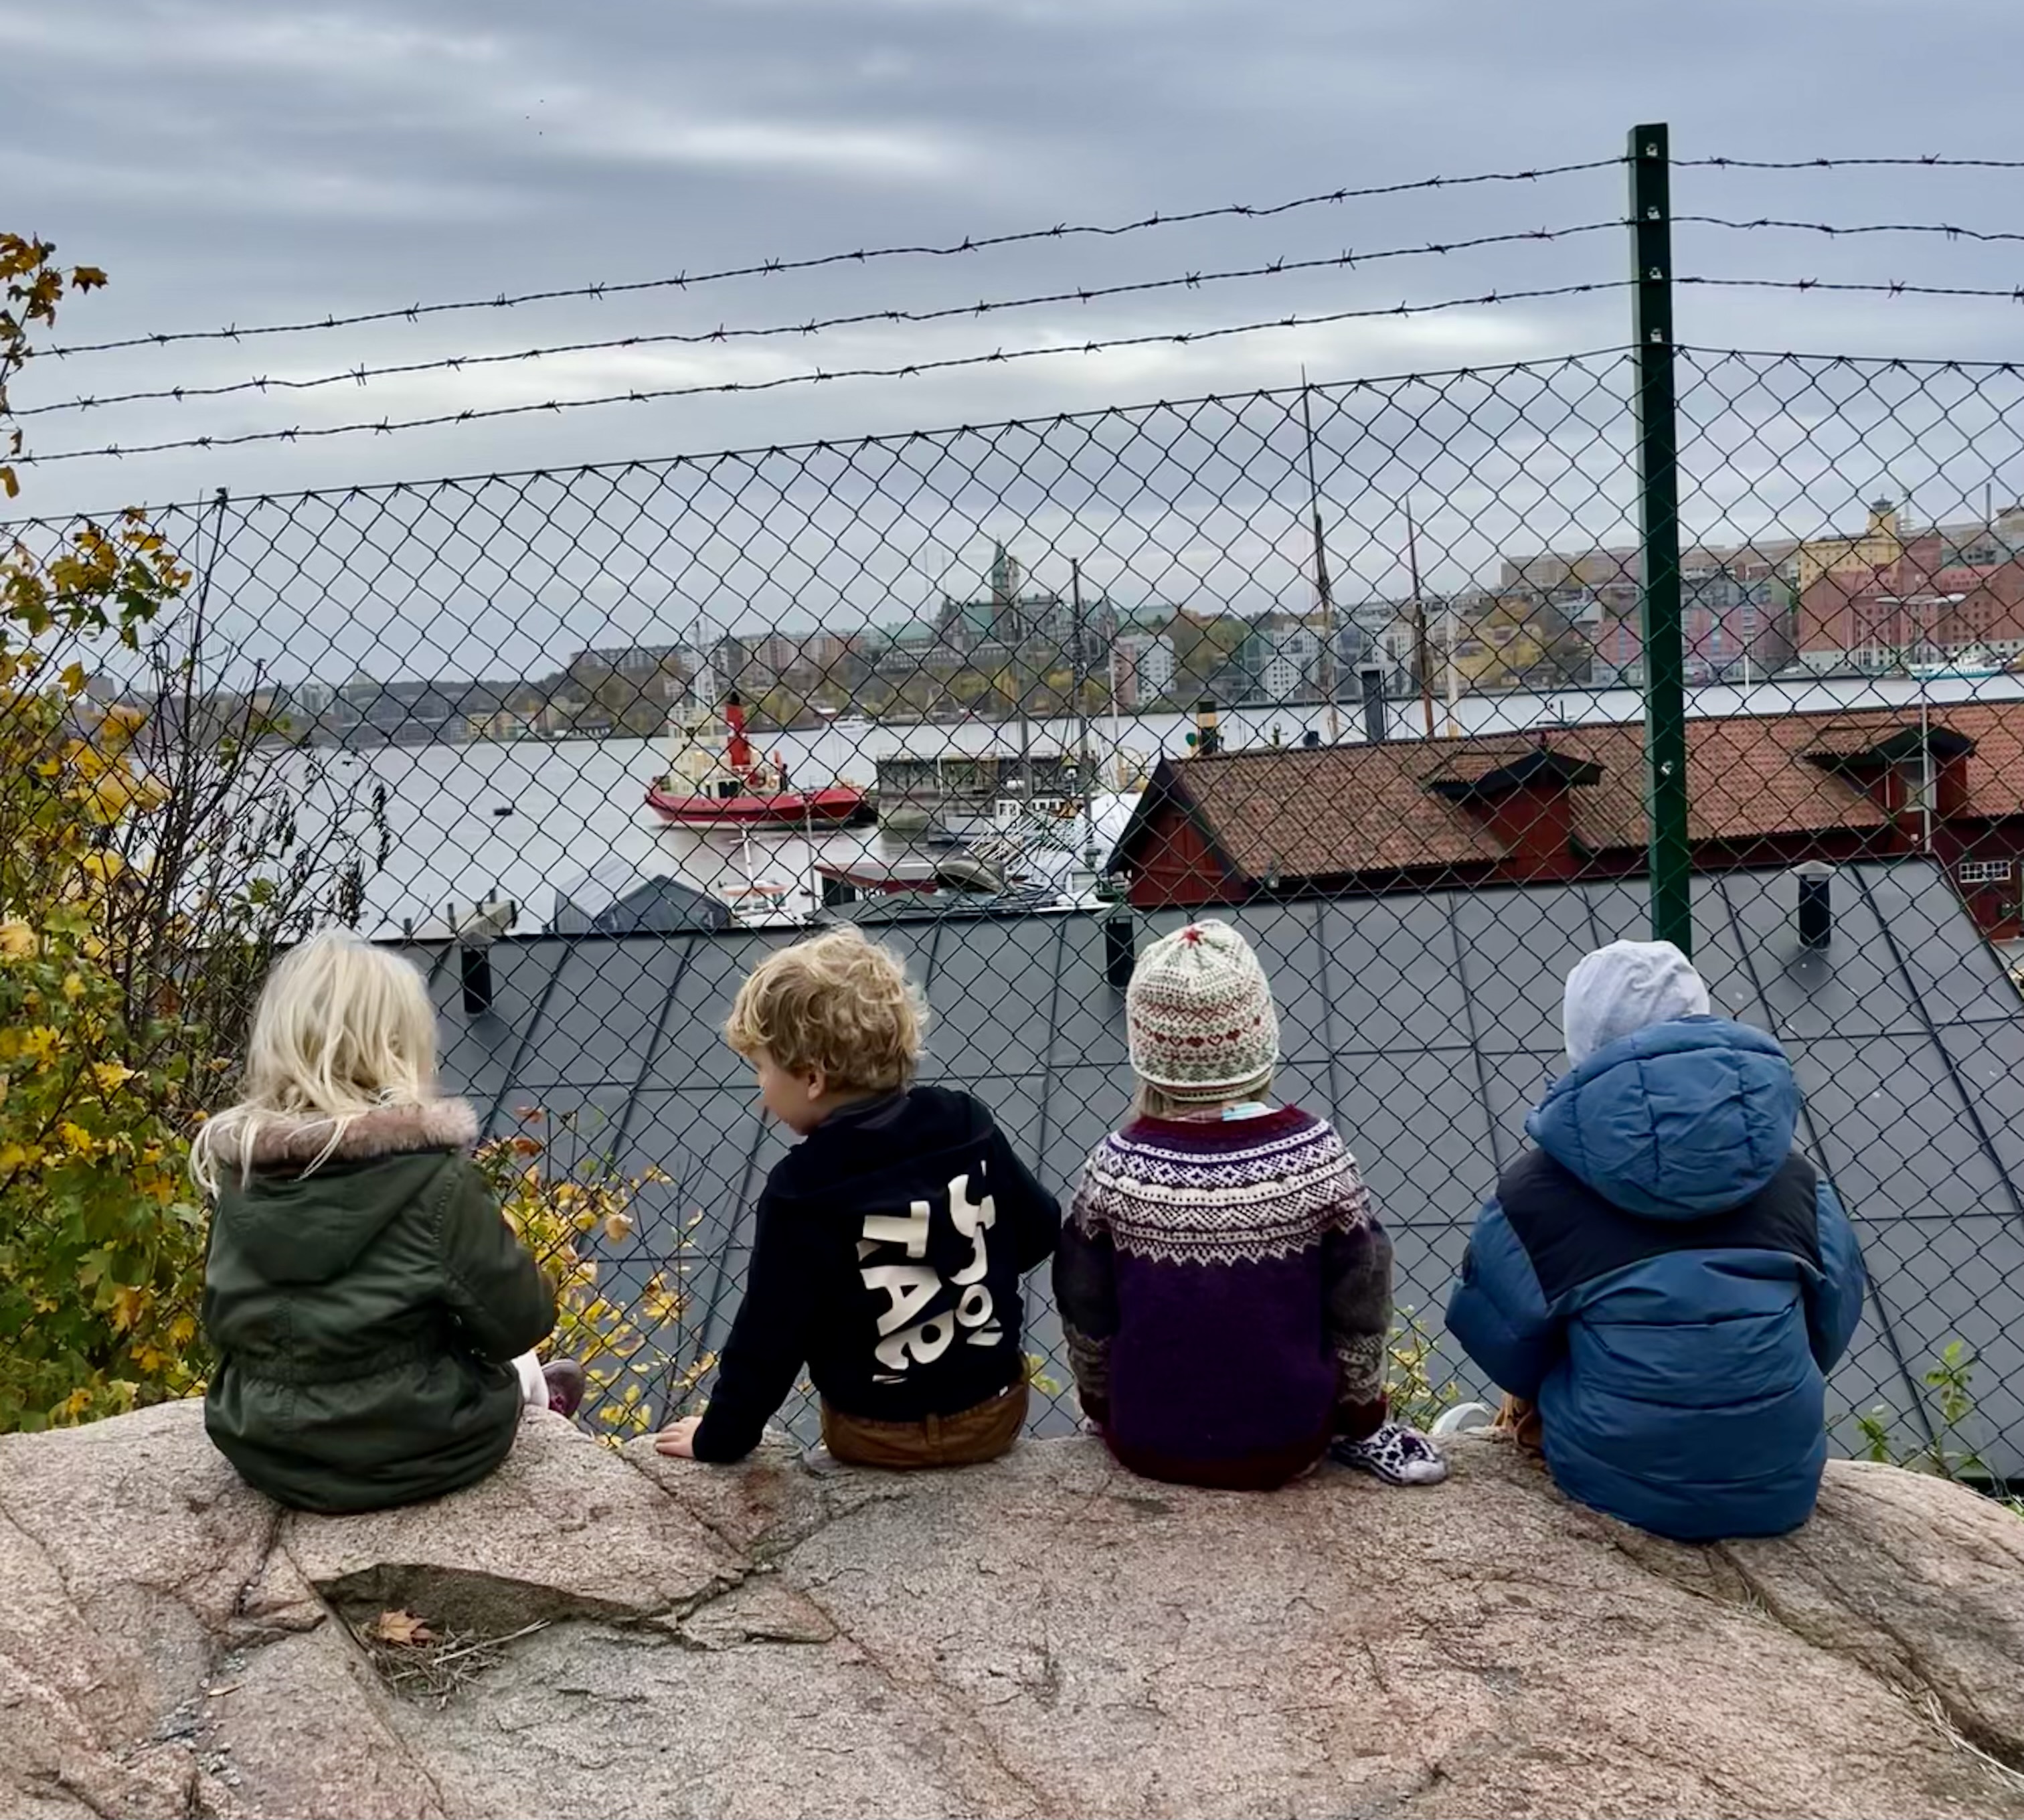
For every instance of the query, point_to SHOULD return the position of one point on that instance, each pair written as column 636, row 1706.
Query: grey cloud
column 229, row 163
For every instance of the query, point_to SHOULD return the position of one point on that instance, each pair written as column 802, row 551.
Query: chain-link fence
column 1360, row 666
column 1432, row 685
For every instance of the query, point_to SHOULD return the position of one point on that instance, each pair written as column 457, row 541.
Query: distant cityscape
column 1889, row 597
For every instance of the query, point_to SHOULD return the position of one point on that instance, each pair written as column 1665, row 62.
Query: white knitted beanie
column 1199, row 1015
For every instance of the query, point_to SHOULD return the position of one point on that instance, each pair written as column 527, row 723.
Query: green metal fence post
column 1671, row 858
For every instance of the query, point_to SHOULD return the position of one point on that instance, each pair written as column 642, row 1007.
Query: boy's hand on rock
column 679, row 1442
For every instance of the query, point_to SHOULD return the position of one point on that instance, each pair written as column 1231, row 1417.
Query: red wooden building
column 1568, row 804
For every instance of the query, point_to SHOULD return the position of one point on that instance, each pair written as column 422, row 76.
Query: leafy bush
column 1950, row 1453
column 149, row 870
column 561, row 1198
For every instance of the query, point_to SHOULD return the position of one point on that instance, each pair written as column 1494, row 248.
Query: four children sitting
column 1660, row 1285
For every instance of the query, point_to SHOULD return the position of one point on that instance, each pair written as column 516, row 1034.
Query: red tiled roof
column 1371, row 808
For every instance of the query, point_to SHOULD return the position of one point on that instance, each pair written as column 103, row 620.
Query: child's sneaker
column 566, row 1384
column 1396, row 1453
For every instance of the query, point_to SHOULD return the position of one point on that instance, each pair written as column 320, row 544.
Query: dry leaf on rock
column 401, row 1628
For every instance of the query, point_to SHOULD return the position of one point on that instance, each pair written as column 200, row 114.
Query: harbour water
column 518, row 821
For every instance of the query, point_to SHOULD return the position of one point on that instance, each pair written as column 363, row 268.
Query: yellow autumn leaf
column 110, row 1076
column 39, row 1045
column 73, row 677
column 73, row 988
column 17, row 940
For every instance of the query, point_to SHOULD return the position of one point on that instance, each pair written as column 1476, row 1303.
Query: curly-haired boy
column 891, row 1240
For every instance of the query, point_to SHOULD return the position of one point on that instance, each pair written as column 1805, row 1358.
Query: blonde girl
column 373, row 1317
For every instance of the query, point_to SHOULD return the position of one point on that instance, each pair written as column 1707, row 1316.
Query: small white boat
column 1973, row 663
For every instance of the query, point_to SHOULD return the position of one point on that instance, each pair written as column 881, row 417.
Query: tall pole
column 1082, row 718
column 1422, row 660
column 1322, row 588
column 1419, row 623
column 1671, row 855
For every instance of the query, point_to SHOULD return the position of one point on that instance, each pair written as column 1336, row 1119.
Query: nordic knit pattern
column 1225, row 1287
column 1223, row 1191
column 1199, row 1017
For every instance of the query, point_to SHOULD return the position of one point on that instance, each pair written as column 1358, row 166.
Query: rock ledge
column 1047, row 1636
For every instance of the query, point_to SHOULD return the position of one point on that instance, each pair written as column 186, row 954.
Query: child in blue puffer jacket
column 1665, row 1277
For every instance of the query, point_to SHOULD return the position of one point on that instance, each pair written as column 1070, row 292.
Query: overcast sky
column 235, row 163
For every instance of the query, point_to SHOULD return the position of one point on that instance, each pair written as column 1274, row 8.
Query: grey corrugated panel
column 1441, row 1029
column 698, row 1138
column 1915, row 958
column 1089, row 1028
column 989, row 992
column 1954, row 972
column 1989, row 1059
column 1390, row 975
column 480, row 1049
column 1090, row 1103
column 1897, row 1135
column 1285, row 939
column 1514, row 1083
column 600, row 1018
column 1852, row 990
column 1417, row 1125
column 1516, row 946
column 1876, row 1366
column 1963, row 1279
column 691, row 1053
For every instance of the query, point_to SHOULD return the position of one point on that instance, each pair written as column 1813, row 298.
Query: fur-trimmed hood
column 280, row 1140
column 296, row 1225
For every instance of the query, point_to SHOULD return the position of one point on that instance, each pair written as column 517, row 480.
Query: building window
column 1985, row 871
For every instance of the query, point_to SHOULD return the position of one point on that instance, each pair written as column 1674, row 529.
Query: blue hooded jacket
column 1668, row 1283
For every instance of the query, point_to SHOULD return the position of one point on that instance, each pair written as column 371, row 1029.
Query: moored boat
column 735, row 786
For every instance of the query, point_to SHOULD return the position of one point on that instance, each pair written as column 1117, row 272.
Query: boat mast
column 1423, row 656
column 1322, row 589
column 1075, row 680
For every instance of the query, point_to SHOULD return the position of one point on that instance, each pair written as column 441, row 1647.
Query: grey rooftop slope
column 1426, row 1025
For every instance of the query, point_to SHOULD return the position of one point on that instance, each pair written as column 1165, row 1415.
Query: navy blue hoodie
column 890, row 1246
column 1668, row 1281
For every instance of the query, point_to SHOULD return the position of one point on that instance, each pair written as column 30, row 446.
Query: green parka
column 364, row 1314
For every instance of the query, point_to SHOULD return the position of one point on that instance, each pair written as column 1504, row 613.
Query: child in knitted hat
column 1224, row 1282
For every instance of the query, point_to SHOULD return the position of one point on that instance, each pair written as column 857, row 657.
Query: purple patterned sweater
column 1226, row 1290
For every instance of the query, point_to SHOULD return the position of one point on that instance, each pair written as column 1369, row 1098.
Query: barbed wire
column 1887, row 288
column 1923, row 161
column 1181, row 338
column 1344, row 260
column 774, row 267
column 1948, row 230
column 1379, row 385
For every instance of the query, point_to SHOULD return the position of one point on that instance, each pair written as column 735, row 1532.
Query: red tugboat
column 735, row 788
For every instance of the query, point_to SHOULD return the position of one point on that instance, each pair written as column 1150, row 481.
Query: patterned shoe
column 566, row 1384
column 1396, row 1453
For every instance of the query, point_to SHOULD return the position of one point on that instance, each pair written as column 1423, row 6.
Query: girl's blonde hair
column 1150, row 1102
column 341, row 1028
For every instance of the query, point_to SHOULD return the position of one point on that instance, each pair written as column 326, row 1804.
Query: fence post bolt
column 1671, row 856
